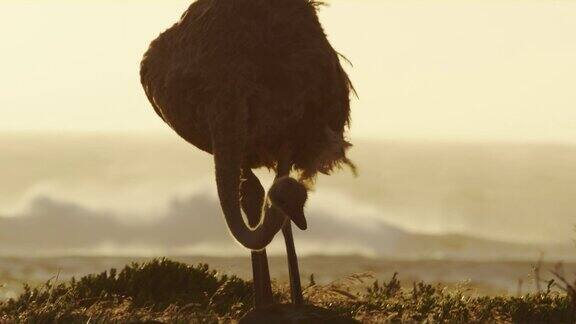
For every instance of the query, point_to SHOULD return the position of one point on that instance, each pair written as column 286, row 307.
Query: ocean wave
column 190, row 223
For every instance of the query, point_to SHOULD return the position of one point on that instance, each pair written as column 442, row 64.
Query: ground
column 166, row 291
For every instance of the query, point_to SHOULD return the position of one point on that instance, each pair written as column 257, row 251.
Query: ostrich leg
column 261, row 275
column 284, row 166
column 252, row 201
column 293, row 271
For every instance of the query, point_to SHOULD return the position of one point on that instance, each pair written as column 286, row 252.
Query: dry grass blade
column 341, row 288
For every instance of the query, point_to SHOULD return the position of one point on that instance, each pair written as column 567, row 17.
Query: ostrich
column 256, row 84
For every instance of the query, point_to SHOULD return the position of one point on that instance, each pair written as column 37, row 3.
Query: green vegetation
column 167, row 291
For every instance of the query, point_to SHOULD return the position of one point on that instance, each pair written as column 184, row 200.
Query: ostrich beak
column 299, row 219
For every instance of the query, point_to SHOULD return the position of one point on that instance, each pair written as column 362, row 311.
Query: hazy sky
column 502, row 70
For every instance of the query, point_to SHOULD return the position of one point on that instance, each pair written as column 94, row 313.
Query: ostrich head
column 289, row 196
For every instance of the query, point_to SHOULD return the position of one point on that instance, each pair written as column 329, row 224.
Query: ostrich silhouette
column 257, row 84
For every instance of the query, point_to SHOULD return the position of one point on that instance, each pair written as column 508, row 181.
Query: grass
column 172, row 292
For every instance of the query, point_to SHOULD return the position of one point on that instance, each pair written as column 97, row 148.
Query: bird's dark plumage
column 259, row 70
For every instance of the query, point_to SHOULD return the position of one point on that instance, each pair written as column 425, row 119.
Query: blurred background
column 464, row 134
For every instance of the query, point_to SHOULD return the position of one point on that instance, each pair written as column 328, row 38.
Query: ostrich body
column 257, row 84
